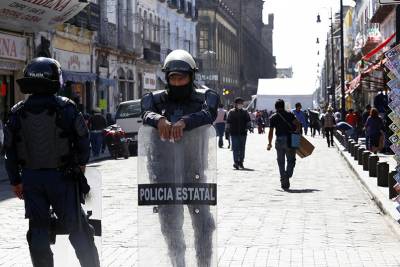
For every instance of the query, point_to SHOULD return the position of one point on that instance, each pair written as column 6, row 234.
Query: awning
column 35, row 16
column 354, row 84
column 104, row 82
column 378, row 48
column 78, row 76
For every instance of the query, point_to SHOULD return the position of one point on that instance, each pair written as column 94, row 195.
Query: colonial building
column 218, row 48
column 237, row 45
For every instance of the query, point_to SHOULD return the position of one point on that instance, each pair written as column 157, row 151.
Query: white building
column 163, row 27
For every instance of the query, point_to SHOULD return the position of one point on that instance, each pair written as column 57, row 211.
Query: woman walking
column 329, row 126
column 374, row 131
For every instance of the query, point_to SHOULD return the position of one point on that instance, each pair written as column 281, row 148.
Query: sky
column 295, row 34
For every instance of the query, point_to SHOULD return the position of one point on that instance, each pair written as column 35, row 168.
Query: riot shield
column 177, row 197
column 64, row 253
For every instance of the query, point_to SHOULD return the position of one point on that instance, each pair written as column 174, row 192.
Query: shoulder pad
column 201, row 91
column 199, row 95
column 17, row 106
column 64, row 101
column 159, row 96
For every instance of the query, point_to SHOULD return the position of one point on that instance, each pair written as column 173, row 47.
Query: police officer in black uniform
column 44, row 136
column 179, row 108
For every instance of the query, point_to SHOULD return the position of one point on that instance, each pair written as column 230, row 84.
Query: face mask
column 180, row 93
column 239, row 106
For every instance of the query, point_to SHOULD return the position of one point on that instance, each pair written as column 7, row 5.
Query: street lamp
column 331, row 89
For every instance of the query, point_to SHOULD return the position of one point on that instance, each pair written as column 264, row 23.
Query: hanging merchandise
column 393, row 64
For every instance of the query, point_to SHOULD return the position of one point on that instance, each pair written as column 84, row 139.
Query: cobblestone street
column 326, row 219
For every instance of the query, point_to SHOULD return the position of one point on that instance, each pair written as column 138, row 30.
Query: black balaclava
column 180, row 93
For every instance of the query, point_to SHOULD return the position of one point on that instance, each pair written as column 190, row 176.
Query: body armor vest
column 41, row 142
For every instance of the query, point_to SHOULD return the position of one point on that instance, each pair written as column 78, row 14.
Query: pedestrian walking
column 39, row 163
column 238, row 122
column 97, row 123
column 284, row 123
column 260, row 123
column 374, row 131
column 329, row 126
column 364, row 118
column 219, row 125
column 300, row 117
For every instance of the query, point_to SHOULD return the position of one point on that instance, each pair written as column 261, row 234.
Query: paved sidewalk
column 379, row 194
column 326, row 219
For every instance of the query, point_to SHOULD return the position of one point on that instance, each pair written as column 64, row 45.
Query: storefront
column 13, row 54
column 78, row 79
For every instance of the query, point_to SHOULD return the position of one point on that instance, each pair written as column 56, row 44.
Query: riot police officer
column 44, row 135
column 179, row 108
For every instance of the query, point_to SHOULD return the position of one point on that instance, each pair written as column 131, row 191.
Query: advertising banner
column 37, row 15
column 12, row 47
column 149, row 81
column 72, row 61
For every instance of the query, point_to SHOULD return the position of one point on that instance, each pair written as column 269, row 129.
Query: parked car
column 128, row 117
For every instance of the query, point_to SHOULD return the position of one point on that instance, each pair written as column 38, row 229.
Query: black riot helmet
column 41, row 76
column 179, row 61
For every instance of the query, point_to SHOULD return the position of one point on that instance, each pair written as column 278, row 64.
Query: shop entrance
column 7, row 97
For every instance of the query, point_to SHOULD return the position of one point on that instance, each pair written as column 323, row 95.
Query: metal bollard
column 391, row 183
column 372, row 163
column 382, row 172
column 351, row 146
column 355, row 151
column 360, row 155
column 365, row 157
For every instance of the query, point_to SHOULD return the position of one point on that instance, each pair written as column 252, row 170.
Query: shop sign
column 12, row 47
column 149, row 81
column 37, row 15
column 10, row 65
column 72, row 61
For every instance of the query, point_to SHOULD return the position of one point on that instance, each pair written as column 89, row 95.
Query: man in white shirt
column 219, row 124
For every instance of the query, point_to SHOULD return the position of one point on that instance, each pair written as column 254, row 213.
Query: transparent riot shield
column 64, row 253
column 177, row 197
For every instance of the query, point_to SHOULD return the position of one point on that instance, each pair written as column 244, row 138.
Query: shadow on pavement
column 300, row 191
column 247, row 169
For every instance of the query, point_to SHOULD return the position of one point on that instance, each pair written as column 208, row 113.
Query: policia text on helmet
column 41, row 76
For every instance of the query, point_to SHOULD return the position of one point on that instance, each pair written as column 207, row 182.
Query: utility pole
column 343, row 100
column 241, row 69
column 397, row 24
column 333, row 86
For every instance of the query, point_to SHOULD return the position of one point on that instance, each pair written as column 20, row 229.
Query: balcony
column 173, row 4
column 88, row 18
column 151, row 52
column 125, row 40
column 138, row 44
column 108, row 35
